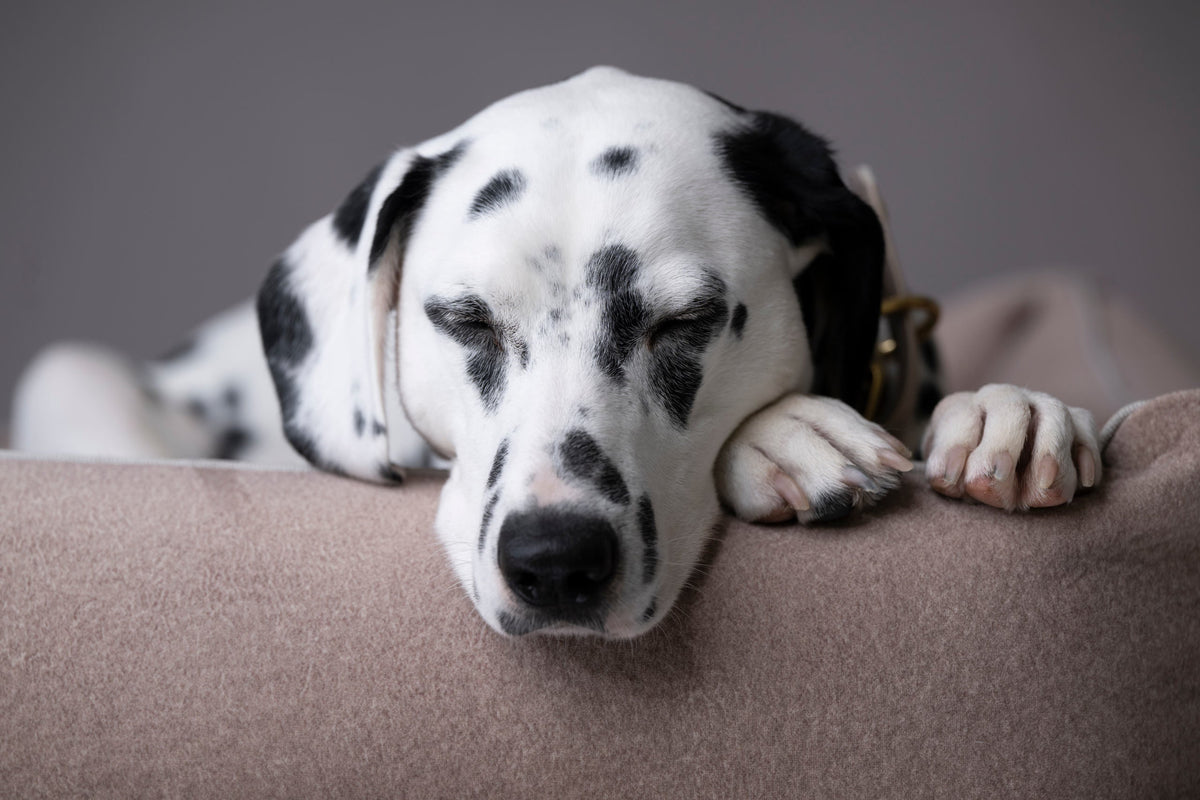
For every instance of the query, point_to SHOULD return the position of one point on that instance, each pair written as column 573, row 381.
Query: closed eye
column 467, row 320
column 693, row 325
column 672, row 328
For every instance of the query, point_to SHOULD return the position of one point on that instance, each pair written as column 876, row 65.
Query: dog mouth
column 518, row 623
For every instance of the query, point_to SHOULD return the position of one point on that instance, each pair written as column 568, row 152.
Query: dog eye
column 478, row 331
column 674, row 328
column 476, row 325
column 468, row 321
column 693, row 325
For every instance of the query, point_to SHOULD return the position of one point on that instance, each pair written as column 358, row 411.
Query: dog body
column 605, row 303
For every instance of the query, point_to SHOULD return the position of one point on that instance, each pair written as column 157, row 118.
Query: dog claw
column 856, row 477
column 790, row 491
column 956, row 459
column 1087, row 467
column 1002, row 468
column 1046, row 472
column 895, row 460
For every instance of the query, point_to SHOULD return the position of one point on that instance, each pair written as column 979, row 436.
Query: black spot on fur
column 196, row 408
column 232, row 443
column 352, row 213
column 287, row 338
column 675, row 384
column 612, row 271
column 649, row 533
column 504, row 188
column 283, row 323
column 469, row 321
column 488, row 510
column 648, row 614
column 522, row 348
column 583, row 459
column 378, row 428
column 615, row 162
column 231, row 397
column 485, row 368
column 782, row 167
column 399, row 211
column 738, row 322
column 678, row 346
column 833, row 506
column 360, row 422
column 498, row 464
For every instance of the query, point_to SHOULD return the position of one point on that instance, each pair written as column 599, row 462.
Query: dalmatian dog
column 612, row 305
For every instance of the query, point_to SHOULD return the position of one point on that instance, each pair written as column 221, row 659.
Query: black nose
column 556, row 560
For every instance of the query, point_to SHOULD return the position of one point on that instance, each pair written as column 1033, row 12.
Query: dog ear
column 791, row 176
column 323, row 313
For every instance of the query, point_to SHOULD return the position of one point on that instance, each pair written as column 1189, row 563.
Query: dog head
column 583, row 290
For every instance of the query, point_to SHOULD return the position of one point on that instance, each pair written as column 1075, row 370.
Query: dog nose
column 556, row 560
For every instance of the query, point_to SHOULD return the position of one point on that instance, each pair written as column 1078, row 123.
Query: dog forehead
column 553, row 174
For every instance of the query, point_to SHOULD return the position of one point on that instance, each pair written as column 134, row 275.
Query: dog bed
column 200, row 629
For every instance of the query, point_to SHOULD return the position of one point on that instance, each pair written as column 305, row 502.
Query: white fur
column 1011, row 447
column 821, row 446
column 376, row 351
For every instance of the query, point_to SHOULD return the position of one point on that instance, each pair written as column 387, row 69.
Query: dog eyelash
column 479, row 326
column 694, row 322
column 671, row 327
column 468, row 321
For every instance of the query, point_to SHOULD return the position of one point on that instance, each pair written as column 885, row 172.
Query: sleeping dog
column 612, row 304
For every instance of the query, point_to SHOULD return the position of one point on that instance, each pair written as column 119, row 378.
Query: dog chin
column 519, row 624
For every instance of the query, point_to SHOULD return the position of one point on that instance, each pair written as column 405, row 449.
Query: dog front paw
column 809, row 458
column 1011, row 448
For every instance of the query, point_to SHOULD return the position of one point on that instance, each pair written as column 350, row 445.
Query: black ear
column 791, row 176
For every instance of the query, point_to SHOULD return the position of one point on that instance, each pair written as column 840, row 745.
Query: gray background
column 156, row 158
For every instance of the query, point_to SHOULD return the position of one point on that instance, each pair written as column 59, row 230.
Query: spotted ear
column 323, row 316
column 790, row 174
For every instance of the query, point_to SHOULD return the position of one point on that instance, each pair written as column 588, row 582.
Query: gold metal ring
column 912, row 302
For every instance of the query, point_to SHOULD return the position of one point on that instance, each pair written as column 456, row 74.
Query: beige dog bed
column 204, row 630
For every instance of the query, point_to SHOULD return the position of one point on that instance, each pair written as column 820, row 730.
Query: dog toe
column 834, row 505
column 1010, row 448
column 811, row 458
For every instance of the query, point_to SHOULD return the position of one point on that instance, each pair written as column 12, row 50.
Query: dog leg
column 808, row 457
column 87, row 400
column 1011, row 448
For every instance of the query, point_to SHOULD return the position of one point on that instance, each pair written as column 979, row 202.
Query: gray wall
column 154, row 159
